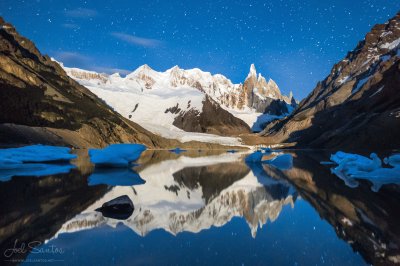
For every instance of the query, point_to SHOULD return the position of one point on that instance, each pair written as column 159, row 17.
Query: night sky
column 294, row 42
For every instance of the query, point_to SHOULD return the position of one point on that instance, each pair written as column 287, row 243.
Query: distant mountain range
column 192, row 100
column 357, row 105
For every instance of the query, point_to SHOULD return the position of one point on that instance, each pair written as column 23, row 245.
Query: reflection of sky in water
column 298, row 236
column 216, row 209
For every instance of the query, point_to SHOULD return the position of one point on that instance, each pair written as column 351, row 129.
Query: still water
column 198, row 207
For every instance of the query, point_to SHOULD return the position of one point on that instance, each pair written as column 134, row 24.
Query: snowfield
column 154, row 99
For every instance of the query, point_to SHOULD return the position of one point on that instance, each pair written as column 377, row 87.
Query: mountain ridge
column 357, row 105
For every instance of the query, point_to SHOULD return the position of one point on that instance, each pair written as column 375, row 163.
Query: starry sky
column 294, row 42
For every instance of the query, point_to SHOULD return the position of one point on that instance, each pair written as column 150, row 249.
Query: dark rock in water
column 120, row 208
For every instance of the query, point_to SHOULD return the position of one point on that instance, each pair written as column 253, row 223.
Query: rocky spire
column 253, row 71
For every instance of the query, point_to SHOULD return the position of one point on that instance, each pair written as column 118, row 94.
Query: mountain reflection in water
column 189, row 202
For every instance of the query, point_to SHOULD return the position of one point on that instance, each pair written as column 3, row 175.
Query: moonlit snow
column 116, row 155
column 353, row 166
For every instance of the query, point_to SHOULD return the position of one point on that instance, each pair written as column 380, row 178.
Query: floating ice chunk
column 353, row 166
column 177, row 150
column 36, row 153
column 115, row 177
column 254, row 157
column 34, row 169
column 393, row 160
column 283, row 161
column 354, row 162
column 116, row 155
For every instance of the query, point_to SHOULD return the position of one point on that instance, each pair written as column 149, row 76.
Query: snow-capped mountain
column 191, row 100
column 176, row 198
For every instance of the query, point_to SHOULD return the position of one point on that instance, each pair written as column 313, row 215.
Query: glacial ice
column 116, row 155
column 393, row 160
column 115, row 177
column 177, row 150
column 254, row 157
column 282, row 162
column 353, row 166
column 14, row 157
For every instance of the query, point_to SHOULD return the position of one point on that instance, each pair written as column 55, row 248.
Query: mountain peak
column 253, row 71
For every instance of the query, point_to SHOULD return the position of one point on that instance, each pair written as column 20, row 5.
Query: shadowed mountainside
column 357, row 105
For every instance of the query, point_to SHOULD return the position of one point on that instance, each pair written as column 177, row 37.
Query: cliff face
column 40, row 103
column 358, row 104
column 212, row 119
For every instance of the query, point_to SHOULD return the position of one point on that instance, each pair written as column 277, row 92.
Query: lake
column 199, row 207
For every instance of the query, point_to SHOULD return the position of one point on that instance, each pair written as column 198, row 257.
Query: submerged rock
column 120, row 208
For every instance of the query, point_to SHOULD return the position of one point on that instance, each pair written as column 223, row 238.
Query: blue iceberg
column 282, row 162
column 393, row 160
column 353, row 166
column 177, row 150
column 14, row 157
column 254, row 157
column 116, row 155
column 115, row 177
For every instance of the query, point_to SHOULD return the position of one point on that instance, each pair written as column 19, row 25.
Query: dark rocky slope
column 41, row 104
column 213, row 119
column 357, row 105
